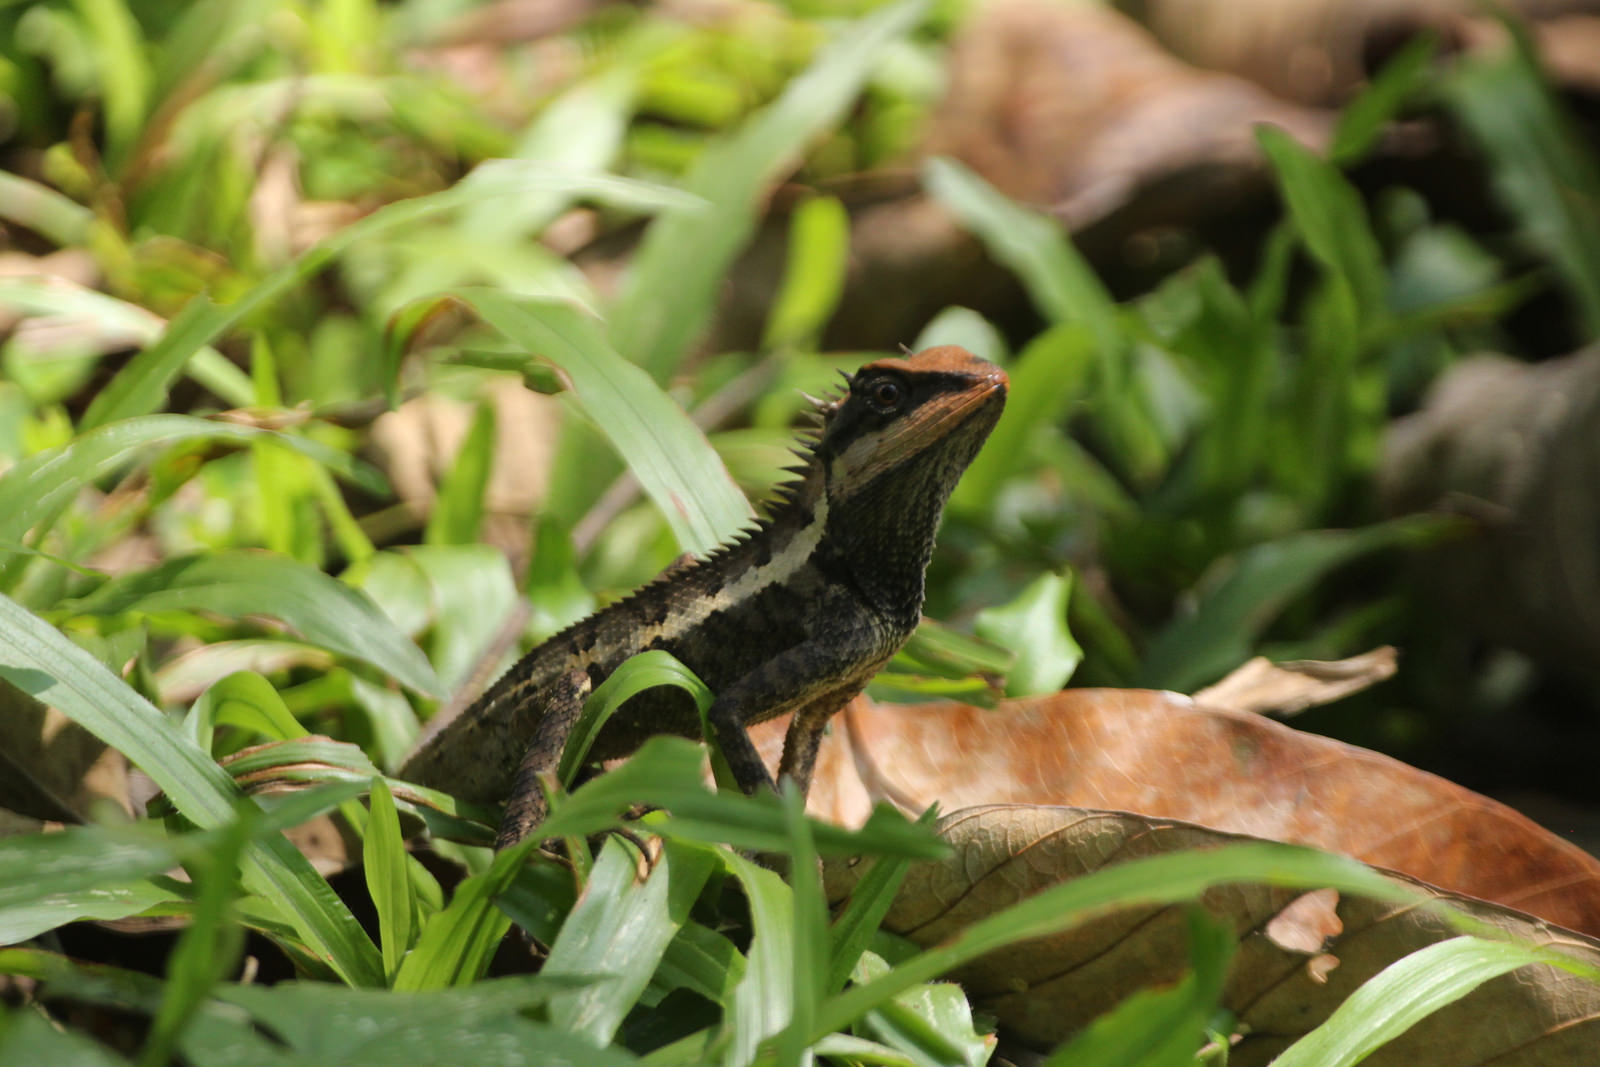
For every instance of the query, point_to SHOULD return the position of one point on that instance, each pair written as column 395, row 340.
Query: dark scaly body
column 794, row 616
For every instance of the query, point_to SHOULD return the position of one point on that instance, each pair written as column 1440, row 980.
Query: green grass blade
column 58, row 219
column 141, row 386
column 1160, row 1027
column 209, row 947
column 1403, row 994
column 1331, row 220
column 809, row 963
column 819, row 254
column 614, row 938
column 1544, row 170
column 1363, row 120
column 644, row 671
column 669, row 455
column 324, row 610
column 1062, row 284
column 38, row 660
column 870, row 901
column 1050, row 374
column 458, row 509
column 672, row 285
column 496, row 179
column 383, row 854
column 35, row 490
column 123, row 71
column 1260, row 582
column 763, row 1004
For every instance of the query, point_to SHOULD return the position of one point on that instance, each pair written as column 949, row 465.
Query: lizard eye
column 885, row 394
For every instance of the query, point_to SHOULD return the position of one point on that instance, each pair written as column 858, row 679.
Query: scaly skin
column 796, row 615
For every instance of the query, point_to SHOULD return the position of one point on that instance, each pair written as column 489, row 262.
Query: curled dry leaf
column 1043, row 991
column 1265, row 687
column 1164, row 756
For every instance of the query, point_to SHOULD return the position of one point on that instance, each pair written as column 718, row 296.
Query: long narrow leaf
column 664, row 449
column 325, row 611
column 1405, row 993
column 37, row 659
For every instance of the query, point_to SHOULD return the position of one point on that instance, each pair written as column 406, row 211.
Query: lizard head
column 910, row 425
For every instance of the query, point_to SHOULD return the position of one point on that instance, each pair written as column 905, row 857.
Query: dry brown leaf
column 1163, row 756
column 1043, row 991
column 1264, row 687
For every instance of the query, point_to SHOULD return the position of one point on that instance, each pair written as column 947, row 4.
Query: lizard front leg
column 526, row 807
column 814, row 679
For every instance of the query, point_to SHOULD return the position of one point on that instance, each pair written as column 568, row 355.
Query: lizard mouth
column 961, row 414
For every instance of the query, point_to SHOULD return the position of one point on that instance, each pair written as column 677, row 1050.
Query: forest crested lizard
column 795, row 615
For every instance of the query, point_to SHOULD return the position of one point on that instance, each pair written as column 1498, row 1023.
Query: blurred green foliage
column 288, row 210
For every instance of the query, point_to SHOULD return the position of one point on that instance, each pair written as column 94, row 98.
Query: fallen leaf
column 1045, row 990
column 1163, row 756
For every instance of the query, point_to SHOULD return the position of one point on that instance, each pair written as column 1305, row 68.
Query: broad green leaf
column 1544, row 170
column 819, row 253
column 323, row 610
column 614, row 938
column 1160, row 1027
column 1165, row 879
column 459, row 507
column 42, row 875
column 37, row 659
column 1406, row 992
column 100, row 901
column 383, row 854
column 665, row 450
column 1249, row 590
column 1035, row 624
column 672, row 283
